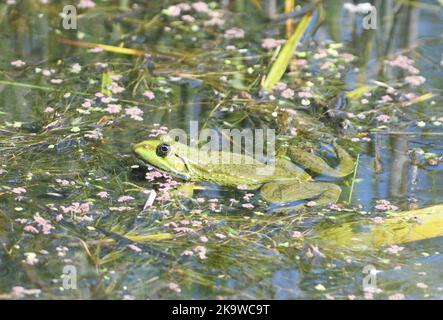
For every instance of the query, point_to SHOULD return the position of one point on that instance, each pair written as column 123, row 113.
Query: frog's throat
column 182, row 176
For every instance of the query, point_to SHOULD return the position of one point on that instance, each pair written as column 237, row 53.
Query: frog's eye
column 163, row 150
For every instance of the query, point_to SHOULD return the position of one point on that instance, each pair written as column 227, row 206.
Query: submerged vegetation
column 72, row 102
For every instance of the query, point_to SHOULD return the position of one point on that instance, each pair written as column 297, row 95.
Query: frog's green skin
column 286, row 182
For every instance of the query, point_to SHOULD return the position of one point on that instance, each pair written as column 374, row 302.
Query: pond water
column 73, row 196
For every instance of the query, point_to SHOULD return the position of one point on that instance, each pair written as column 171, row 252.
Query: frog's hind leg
column 294, row 196
column 318, row 165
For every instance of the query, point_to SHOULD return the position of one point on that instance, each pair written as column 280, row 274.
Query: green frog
column 284, row 183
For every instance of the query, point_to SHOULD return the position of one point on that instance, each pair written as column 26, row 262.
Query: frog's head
column 164, row 155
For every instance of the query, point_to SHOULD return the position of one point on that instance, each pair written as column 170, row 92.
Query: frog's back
column 233, row 169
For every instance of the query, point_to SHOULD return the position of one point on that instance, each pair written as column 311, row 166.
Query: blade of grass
column 418, row 99
column 105, row 47
column 353, row 178
column 27, row 85
column 281, row 63
column 106, row 83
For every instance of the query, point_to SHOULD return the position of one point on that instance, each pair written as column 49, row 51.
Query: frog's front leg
column 289, row 194
column 316, row 164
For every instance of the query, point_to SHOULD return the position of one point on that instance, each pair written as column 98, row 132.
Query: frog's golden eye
column 163, row 150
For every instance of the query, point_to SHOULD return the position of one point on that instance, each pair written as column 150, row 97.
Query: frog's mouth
column 141, row 152
column 149, row 166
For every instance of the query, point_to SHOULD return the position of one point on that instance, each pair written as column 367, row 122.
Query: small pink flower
column 18, row 190
column 288, row 93
column 133, row 247
column 173, row 11
column 184, row 6
column 297, row 235
column 49, row 110
column 415, row 80
column 291, row 112
column 18, row 63
column 103, row 195
column 183, row 230
column 247, row 205
column 96, row 50
column 401, row 62
column 106, row 99
column 347, row 57
column 270, row 43
column 44, row 224
column 220, row 235
column 188, row 18
column 385, row 205
column 395, row 249
column 311, row 204
column 214, row 22
column 305, row 94
column 116, row 89
column 31, row 258
column 327, row 65
column 125, row 198
column 397, row 296
column 378, row 220
column 87, row 104
column 410, row 96
column 135, row 113
column 56, row 81
column 383, row 118
column 86, row 4
column 114, row 108
column 301, row 62
column 200, row 6
column 152, row 175
column 149, row 94
column 31, row 229
column 422, row 285
column 170, row 224
column 386, row 98
column 280, row 86
column 46, row 72
column 120, row 209
column 234, row 33
column 174, row 287
column 413, row 70
column 203, row 239
column 77, row 207
column 201, row 252
column 187, row 253
column 322, row 53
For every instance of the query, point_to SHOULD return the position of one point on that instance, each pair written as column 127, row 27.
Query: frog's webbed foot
column 294, row 196
column 316, row 164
